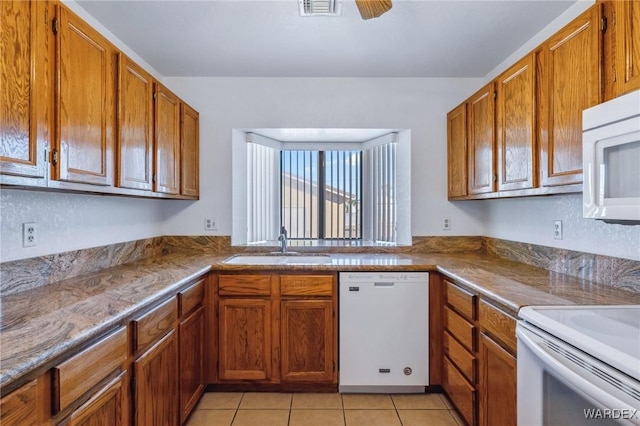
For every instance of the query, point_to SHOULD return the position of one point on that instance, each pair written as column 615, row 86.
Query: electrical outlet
column 446, row 223
column 557, row 229
column 29, row 234
column 210, row 224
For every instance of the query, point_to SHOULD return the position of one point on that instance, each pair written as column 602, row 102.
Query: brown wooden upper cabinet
column 167, row 141
column 457, row 151
column 515, row 90
column 26, row 60
column 190, row 151
column 622, row 47
column 524, row 129
column 76, row 114
column 570, row 81
column 135, row 126
column 481, row 122
column 85, row 80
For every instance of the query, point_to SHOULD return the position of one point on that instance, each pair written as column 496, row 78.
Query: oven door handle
column 577, row 382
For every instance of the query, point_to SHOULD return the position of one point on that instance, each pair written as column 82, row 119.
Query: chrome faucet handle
column 283, row 231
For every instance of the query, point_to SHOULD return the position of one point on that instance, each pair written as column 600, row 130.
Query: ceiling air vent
column 320, row 7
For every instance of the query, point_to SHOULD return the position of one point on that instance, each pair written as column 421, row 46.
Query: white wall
column 420, row 105
column 530, row 220
column 73, row 221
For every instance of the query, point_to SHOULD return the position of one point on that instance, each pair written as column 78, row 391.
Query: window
column 344, row 192
column 321, row 194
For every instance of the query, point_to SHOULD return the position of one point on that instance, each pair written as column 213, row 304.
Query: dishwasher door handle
column 384, row 284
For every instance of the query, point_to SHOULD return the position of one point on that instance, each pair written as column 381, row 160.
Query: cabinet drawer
column 19, row 407
column 153, row 325
column 306, row 285
column 244, row 285
column 460, row 328
column 80, row 373
column 459, row 391
column 499, row 324
column 463, row 359
column 190, row 298
column 461, row 300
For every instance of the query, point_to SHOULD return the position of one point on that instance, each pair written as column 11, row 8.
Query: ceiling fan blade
column 373, row 8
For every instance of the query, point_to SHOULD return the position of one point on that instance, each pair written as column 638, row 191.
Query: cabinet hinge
column 495, row 95
column 46, row 155
column 54, row 26
column 54, row 157
column 603, row 24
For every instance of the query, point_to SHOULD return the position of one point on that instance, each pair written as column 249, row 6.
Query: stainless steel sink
column 278, row 260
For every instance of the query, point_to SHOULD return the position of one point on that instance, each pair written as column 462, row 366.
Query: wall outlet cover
column 29, row 234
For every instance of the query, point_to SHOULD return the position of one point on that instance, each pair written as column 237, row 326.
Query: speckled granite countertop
column 38, row 326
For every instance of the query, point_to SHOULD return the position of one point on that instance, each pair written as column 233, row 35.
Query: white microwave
column 611, row 160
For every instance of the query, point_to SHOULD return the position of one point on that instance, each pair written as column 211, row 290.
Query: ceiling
column 240, row 38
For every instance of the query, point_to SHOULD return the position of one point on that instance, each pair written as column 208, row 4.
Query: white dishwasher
column 384, row 332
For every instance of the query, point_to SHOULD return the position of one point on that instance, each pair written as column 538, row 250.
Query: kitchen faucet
column 283, row 239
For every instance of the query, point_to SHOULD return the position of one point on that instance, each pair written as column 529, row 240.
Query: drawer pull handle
column 384, row 370
column 354, row 288
column 383, row 285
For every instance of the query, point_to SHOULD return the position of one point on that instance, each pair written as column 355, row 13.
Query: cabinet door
column 515, row 91
column 570, row 80
column 19, row 408
column 497, row 384
column 26, row 89
column 191, row 334
column 481, row 140
column 457, row 151
column 105, row 408
column 307, row 340
column 167, row 141
column 156, row 384
column 628, row 45
column 135, row 126
column 245, row 339
column 85, row 101
column 622, row 47
column 190, row 155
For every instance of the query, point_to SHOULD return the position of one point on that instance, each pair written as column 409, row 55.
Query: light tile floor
column 323, row 409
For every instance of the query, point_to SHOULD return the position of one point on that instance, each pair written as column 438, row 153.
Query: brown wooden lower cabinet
column 307, row 340
column 156, row 383
column 497, row 385
column 105, row 408
column 191, row 336
column 19, row 407
column 245, row 339
column 277, row 331
column 478, row 373
column 461, row 393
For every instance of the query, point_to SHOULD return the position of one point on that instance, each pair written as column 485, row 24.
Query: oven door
column 561, row 385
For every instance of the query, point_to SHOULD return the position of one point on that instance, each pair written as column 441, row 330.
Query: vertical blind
column 383, row 192
column 262, row 202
